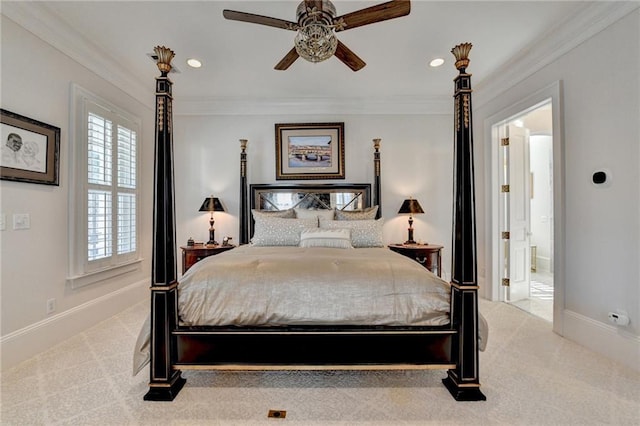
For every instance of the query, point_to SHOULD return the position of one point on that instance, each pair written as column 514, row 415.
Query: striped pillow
column 364, row 233
column 333, row 238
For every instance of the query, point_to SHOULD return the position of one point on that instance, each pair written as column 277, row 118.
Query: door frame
column 552, row 92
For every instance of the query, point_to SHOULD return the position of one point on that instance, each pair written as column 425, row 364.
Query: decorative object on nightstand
column 428, row 255
column 411, row 207
column 211, row 204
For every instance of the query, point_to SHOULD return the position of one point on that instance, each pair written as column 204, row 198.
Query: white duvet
column 272, row 286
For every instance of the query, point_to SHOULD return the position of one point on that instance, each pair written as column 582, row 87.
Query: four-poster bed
column 450, row 343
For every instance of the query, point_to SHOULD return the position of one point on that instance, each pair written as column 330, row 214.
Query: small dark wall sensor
column 599, row 177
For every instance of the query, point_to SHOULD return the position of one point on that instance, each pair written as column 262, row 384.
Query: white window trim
column 80, row 273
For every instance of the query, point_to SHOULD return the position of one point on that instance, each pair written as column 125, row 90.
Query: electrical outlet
column 619, row 318
column 51, row 306
column 21, row 221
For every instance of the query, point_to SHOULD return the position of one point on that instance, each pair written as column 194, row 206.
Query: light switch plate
column 21, row 221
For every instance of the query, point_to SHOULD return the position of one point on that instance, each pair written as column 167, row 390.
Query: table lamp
column 411, row 207
column 211, row 204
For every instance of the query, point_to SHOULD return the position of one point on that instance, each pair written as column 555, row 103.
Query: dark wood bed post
column 463, row 381
column 165, row 383
column 244, row 210
column 377, row 189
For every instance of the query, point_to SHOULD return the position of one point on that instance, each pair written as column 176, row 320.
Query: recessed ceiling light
column 194, row 63
column 436, row 62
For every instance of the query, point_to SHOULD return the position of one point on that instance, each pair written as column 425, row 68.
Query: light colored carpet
column 530, row 376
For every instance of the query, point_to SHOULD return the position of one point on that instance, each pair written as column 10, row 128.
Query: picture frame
column 309, row 151
column 30, row 150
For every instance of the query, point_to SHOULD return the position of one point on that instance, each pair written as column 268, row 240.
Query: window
column 104, row 201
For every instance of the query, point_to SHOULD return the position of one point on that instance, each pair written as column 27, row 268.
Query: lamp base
column 410, row 239
column 212, row 236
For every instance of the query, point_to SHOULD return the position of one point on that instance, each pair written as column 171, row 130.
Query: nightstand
column 428, row 255
column 193, row 254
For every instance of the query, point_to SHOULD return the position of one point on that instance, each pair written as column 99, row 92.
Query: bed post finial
column 244, row 210
column 164, row 56
column 377, row 190
column 461, row 52
column 463, row 381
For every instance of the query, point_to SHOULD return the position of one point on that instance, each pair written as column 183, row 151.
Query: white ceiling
column 114, row 39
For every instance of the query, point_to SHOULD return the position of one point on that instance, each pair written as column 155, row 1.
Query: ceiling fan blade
column 288, row 59
column 349, row 58
column 381, row 12
column 259, row 19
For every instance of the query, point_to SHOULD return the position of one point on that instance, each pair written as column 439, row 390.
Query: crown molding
column 401, row 105
column 550, row 46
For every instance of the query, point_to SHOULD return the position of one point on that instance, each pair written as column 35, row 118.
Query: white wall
column 36, row 82
column 416, row 151
column 601, row 109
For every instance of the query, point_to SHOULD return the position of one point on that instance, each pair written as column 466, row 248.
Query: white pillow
column 333, row 238
column 364, row 233
column 277, row 231
column 366, row 214
column 319, row 214
column 289, row 213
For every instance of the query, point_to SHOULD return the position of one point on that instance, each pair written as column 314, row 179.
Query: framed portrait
column 310, row 151
column 30, row 149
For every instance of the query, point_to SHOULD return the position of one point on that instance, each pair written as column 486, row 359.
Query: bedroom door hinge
column 504, row 188
column 505, row 282
column 504, row 141
column 506, row 235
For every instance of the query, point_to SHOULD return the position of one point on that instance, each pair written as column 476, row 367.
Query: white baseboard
column 29, row 341
column 608, row 340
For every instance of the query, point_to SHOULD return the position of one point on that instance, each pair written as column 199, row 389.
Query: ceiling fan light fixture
column 316, row 42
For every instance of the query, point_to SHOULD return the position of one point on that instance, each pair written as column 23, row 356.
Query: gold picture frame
column 30, row 150
column 309, row 151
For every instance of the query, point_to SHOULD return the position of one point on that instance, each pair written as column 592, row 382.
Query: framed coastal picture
column 30, row 149
column 310, row 151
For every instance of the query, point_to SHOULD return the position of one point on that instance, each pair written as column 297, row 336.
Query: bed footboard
column 309, row 349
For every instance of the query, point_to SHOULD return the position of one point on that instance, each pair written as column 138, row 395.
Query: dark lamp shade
column 410, row 206
column 211, row 204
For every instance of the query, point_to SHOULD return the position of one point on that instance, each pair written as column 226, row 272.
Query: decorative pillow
column 277, row 231
column 319, row 214
column 289, row 213
column 366, row 214
column 364, row 233
column 334, row 238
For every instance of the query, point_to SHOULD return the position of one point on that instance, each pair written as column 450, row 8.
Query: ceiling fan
column 317, row 25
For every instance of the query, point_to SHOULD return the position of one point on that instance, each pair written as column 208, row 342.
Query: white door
column 519, row 214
